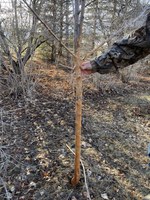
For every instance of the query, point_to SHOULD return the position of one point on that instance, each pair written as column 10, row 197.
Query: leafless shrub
column 6, row 159
column 4, row 164
column 22, row 85
column 8, row 195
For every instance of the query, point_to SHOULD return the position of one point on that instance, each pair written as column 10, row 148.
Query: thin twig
column 101, row 44
column 69, row 195
column 116, row 33
column 2, row 121
column 67, row 67
column 7, row 193
column 84, row 173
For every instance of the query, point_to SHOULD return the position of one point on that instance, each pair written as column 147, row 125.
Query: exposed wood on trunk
column 78, row 111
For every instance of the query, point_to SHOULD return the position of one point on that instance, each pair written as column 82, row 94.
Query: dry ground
column 35, row 162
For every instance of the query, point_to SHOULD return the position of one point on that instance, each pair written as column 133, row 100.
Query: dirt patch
column 35, row 162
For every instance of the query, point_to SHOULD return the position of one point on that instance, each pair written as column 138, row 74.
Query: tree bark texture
column 67, row 31
column 61, row 29
column 53, row 52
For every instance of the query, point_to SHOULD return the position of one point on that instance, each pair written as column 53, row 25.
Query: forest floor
column 35, row 163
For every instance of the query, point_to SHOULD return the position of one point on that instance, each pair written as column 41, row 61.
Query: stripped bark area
column 78, row 16
column 78, row 119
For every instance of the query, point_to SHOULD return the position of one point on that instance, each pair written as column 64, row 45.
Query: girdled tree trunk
column 78, row 18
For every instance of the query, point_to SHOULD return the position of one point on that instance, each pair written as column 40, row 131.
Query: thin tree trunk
column 67, row 31
column 53, row 53
column 94, row 26
column 61, row 28
column 78, row 111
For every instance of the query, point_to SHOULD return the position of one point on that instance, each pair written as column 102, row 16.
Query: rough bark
column 94, row 24
column 61, row 28
column 67, row 31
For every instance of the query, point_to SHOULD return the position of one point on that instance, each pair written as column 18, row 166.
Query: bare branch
column 49, row 29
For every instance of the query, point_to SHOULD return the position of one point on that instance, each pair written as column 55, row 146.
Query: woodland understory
column 42, row 46
column 35, row 129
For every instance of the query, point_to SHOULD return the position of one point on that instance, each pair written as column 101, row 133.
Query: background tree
column 19, row 35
